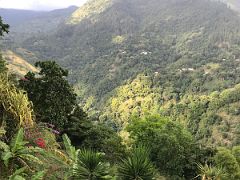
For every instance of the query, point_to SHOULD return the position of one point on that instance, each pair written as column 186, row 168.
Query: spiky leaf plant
column 90, row 166
column 137, row 166
column 211, row 173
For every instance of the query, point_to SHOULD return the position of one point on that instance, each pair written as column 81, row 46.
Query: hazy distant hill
column 25, row 23
column 15, row 17
column 234, row 4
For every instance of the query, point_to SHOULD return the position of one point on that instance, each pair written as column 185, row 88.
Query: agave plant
column 137, row 166
column 90, row 166
column 211, row 173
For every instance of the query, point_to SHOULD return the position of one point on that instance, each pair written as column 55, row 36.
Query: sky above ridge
column 39, row 4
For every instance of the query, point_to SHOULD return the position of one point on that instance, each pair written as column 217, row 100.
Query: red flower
column 24, row 79
column 40, row 142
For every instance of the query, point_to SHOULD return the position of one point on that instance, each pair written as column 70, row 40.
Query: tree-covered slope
column 168, row 122
column 212, row 118
column 132, row 36
column 189, row 48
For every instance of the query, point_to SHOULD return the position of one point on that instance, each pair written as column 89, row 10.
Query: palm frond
column 58, row 156
column 210, row 172
column 90, row 165
column 30, row 158
column 18, row 141
column 71, row 151
column 137, row 166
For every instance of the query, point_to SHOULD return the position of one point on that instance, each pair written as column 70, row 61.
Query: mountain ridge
column 26, row 23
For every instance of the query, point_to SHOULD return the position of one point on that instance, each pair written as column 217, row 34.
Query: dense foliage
column 157, row 85
column 145, row 59
column 3, row 27
column 137, row 166
column 171, row 146
column 51, row 94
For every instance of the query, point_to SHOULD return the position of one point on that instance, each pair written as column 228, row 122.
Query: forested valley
column 121, row 90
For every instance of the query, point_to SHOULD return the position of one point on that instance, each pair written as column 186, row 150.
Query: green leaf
column 6, row 156
column 71, row 151
column 30, row 158
column 17, row 177
column 17, row 142
column 137, row 165
column 38, row 175
column 90, row 164
column 2, row 131
column 4, row 146
column 17, row 173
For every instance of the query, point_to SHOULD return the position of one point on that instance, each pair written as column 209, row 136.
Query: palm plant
column 211, row 173
column 17, row 154
column 137, row 166
column 90, row 166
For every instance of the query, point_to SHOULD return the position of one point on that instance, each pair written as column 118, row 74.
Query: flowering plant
column 42, row 135
column 40, row 142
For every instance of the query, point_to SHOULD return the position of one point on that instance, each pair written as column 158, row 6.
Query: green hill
column 131, row 37
column 189, row 49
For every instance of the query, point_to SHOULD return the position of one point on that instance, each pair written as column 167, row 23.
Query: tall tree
column 52, row 96
column 170, row 144
column 86, row 133
column 3, row 27
column 225, row 158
